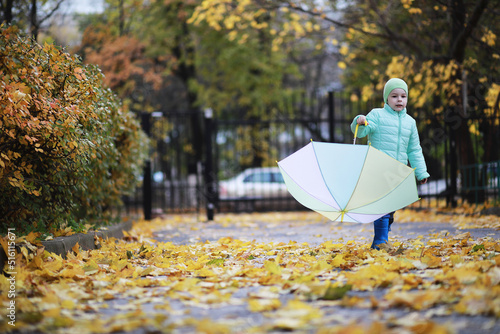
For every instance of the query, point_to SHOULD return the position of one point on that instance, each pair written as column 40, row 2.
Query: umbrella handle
column 356, row 133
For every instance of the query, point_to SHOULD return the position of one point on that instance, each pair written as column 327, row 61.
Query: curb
column 63, row 245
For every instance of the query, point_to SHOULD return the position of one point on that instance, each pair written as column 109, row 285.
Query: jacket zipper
column 399, row 136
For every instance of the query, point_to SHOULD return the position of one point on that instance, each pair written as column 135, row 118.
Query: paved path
column 315, row 233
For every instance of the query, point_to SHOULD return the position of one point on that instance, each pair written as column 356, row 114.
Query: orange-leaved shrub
column 69, row 150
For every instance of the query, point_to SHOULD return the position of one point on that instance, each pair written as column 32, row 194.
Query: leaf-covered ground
column 267, row 273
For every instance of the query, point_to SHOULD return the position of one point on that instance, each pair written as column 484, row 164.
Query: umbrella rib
column 356, row 220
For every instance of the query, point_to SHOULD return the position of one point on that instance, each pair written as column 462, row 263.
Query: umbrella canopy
column 351, row 183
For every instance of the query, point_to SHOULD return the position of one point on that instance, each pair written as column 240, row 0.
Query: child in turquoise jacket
column 391, row 130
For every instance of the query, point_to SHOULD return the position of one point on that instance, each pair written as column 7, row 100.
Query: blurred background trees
column 158, row 58
column 447, row 51
column 252, row 59
column 31, row 15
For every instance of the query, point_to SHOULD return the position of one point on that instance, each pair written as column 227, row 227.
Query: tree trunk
column 7, row 11
column 121, row 23
column 462, row 26
column 34, row 29
column 491, row 138
column 186, row 72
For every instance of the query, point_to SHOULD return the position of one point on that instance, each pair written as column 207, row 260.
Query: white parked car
column 263, row 182
column 434, row 187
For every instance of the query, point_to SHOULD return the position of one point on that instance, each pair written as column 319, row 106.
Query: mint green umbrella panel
column 349, row 183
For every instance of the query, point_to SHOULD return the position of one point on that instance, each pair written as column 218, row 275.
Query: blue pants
column 381, row 227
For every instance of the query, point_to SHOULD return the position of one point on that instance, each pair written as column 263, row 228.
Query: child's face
column 397, row 99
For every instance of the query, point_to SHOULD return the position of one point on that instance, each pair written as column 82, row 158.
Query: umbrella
column 351, row 183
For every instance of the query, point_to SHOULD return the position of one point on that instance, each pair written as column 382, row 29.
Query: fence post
column 453, row 163
column 331, row 116
column 147, row 182
column 209, row 173
column 496, row 192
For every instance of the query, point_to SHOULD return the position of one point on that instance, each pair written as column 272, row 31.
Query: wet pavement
column 314, row 233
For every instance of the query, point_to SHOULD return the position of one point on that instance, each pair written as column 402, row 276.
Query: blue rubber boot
column 391, row 220
column 381, row 229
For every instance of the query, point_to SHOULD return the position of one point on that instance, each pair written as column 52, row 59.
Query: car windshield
column 258, row 177
column 277, row 177
column 264, row 177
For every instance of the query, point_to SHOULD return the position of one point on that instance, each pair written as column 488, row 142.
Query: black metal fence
column 179, row 179
column 173, row 181
column 241, row 144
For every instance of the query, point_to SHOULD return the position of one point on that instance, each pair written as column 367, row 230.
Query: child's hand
column 423, row 181
column 362, row 120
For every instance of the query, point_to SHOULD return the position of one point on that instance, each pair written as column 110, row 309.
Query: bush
column 68, row 149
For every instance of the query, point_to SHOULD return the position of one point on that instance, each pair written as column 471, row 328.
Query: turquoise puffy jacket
column 396, row 134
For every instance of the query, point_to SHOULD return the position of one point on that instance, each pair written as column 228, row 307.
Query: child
column 391, row 130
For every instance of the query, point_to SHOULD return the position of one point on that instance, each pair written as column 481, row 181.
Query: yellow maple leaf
column 338, row 261
column 68, row 304
column 207, row 326
column 4, row 241
column 417, row 300
column 76, row 248
column 32, row 238
column 262, row 305
column 74, row 273
column 205, row 272
column 272, row 267
column 431, row 261
column 295, row 315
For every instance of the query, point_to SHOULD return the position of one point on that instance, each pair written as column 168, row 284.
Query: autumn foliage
column 181, row 275
column 68, row 150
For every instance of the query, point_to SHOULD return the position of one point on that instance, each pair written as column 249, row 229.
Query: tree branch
column 458, row 45
column 390, row 35
column 332, row 21
column 55, row 9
